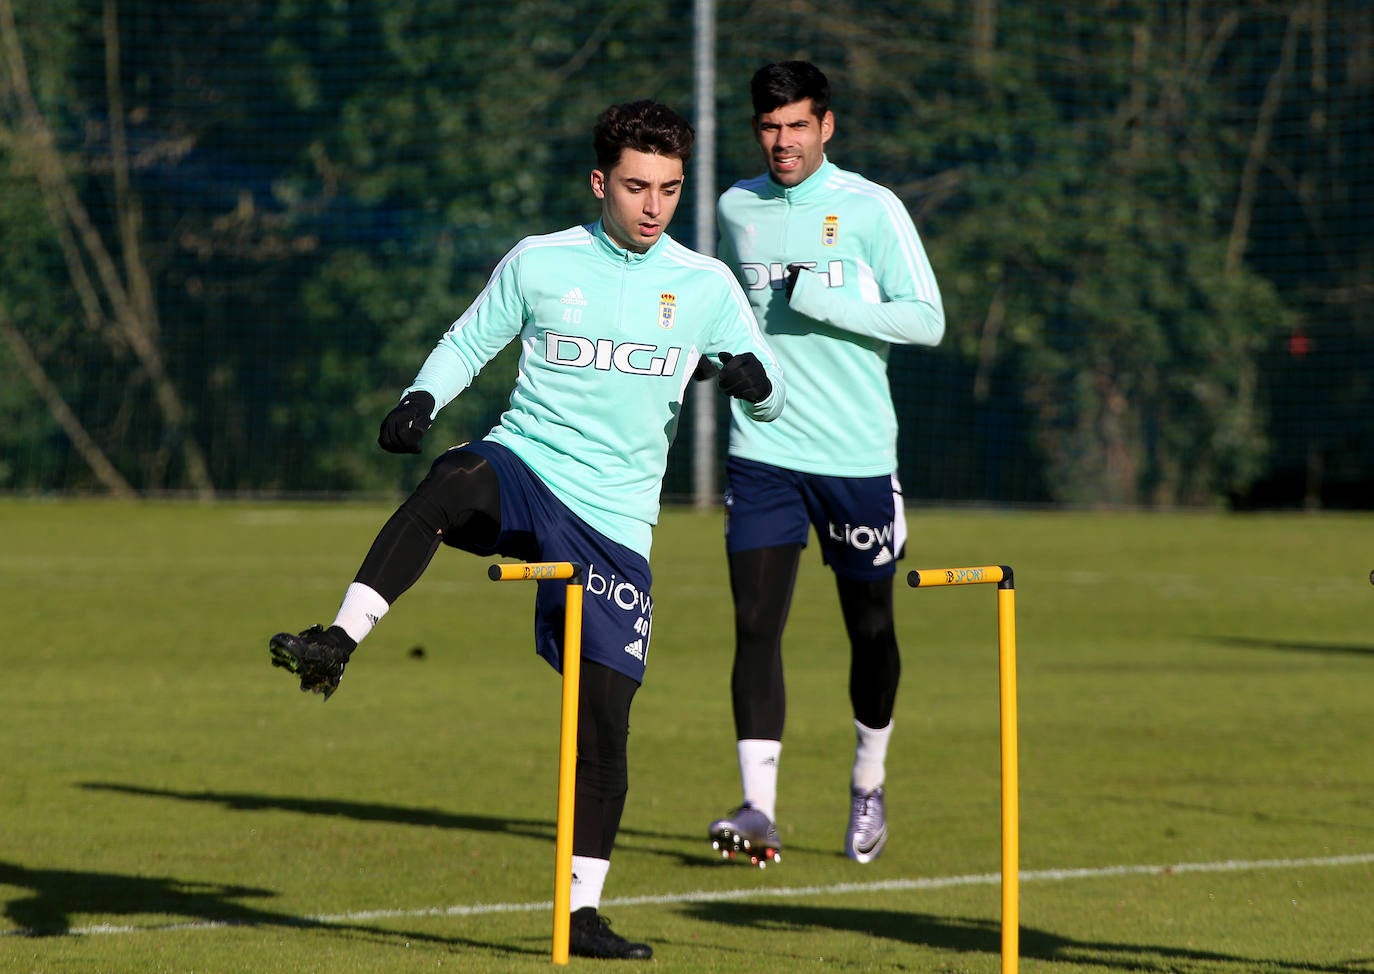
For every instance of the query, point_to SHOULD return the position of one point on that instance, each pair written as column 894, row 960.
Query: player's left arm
column 898, row 299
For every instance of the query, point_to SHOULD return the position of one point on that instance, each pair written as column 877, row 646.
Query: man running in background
column 836, row 273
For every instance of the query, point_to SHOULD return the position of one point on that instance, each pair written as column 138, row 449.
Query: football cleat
column 590, row 935
column 867, row 825
column 746, row 833
column 317, row 656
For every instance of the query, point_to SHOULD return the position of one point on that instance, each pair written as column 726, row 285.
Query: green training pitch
column 1194, row 696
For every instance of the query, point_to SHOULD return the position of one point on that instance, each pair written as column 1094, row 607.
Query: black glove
column 706, row 369
column 743, row 377
column 793, row 271
column 405, row 425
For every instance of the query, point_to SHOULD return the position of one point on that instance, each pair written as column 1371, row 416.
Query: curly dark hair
column 645, row 126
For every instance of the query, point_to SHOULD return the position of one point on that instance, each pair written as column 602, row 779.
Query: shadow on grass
column 984, row 937
column 537, row 828
column 1294, row 646
column 540, row 828
column 55, row 896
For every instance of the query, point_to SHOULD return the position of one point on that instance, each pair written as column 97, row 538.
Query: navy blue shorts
column 860, row 521
column 617, row 610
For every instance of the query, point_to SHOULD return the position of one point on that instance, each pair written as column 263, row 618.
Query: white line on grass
column 782, row 892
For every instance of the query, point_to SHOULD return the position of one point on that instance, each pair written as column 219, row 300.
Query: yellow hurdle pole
column 567, row 740
column 1011, row 824
column 1001, row 575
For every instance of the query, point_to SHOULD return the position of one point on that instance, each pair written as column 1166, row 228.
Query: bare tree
column 115, row 289
column 47, row 390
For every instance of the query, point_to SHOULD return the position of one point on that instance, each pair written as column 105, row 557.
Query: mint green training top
column 868, row 285
column 609, row 339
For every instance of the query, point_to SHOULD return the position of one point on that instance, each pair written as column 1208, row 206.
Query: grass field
column 1195, row 693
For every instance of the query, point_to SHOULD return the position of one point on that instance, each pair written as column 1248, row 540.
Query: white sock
column 588, row 876
column 758, row 772
column 870, row 757
column 362, row 609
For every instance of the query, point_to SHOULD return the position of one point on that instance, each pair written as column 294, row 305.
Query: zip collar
column 804, row 190
column 609, row 248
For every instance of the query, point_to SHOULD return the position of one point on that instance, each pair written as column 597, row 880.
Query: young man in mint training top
column 835, row 273
column 612, row 318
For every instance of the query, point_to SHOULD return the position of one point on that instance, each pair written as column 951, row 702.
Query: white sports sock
column 758, row 772
column 588, row 877
column 362, row 609
column 870, row 757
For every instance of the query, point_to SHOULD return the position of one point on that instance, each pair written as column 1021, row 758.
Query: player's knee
column 754, row 638
column 461, row 496
column 868, row 615
column 875, row 636
column 759, row 623
column 457, row 472
column 871, row 624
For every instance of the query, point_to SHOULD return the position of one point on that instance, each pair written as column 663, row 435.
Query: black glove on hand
column 793, row 271
column 743, row 377
column 405, row 425
column 706, row 369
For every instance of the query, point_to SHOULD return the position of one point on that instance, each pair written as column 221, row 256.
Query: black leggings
column 761, row 583
column 603, row 730
column 459, row 503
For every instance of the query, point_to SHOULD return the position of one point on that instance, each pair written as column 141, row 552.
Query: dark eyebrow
column 636, row 181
